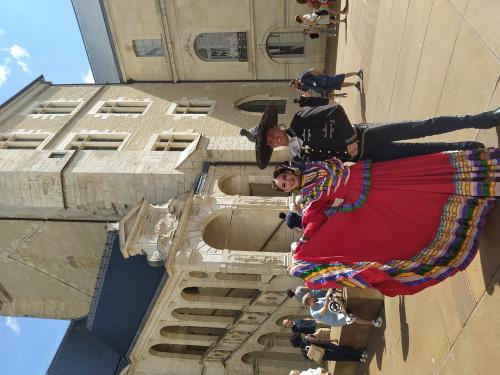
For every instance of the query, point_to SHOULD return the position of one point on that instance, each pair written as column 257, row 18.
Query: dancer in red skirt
column 399, row 226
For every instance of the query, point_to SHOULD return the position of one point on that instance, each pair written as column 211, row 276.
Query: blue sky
column 27, row 345
column 39, row 37
column 36, row 37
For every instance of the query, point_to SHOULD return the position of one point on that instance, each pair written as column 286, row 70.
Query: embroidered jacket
column 325, row 132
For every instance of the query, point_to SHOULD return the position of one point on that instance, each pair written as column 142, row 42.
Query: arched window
column 286, row 44
column 260, row 105
column 221, row 46
column 249, row 230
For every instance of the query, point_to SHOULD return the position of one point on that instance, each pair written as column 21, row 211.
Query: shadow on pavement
column 490, row 247
column 405, row 334
column 375, row 348
column 362, row 100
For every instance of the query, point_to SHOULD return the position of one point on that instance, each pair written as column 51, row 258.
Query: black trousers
column 341, row 353
column 380, row 140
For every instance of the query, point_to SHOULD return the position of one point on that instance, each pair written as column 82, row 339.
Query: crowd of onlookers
column 312, row 335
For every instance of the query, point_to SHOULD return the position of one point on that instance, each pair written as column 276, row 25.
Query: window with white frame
column 97, row 141
column 286, row 44
column 192, row 107
column 27, row 141
column 148, row 47
column 173, row 141
column 123, row 108
column 54, row 108
column 221, row 46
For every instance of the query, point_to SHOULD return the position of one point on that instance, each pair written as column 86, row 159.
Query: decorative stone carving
column 150, row 230
column 270, row 298
column 253, row 318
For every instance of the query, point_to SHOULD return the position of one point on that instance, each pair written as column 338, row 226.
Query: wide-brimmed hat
column 262, row 151
column 258, row 134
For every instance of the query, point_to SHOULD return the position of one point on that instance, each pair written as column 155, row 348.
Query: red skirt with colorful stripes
column 403, row 225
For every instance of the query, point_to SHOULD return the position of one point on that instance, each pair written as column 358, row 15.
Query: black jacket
column 326, row 131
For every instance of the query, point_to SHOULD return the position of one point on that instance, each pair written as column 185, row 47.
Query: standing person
column 320, row 312
column 319, row 18
column 301, row 291
column 315, row 101
column 315, row 80
column 314, row 33
column 311, row 371
column 324, row 132
column 333, row 352
column 316, row 4
column 307, row 326
column 398, row 226
column 292, row 219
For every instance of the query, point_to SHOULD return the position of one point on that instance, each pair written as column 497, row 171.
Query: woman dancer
column 399, row 226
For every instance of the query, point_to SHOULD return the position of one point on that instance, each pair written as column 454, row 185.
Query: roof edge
column 38, row 79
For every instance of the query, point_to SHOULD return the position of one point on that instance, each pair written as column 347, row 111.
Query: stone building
column 196, row 40
column 167, row 162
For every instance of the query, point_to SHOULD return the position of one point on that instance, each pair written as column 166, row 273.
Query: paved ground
column 425, row 58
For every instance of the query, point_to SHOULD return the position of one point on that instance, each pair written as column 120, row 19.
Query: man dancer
column 324, row 132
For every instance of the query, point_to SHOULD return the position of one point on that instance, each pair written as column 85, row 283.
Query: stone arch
column 286, row 45
column 198, row 275
column 254, row 185
column 250, row 277
column 272, row 338
column 164, row 350
column 170, row 330
column 221, row 46
column 274, row 358
column 258, row 229
column 218, row 295
column 209, row 316
column 257, row 104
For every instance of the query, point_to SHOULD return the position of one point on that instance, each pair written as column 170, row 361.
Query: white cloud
column 18, row 52
column 88, row 77
column 4, row 72
column 2, row 32
column 13, row 325
column 23, row 66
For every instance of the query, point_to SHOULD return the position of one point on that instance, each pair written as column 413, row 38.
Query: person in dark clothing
column 315, row 80
column 325, row 132
column 307, row 326
column 292, row 220
column 311, row 101
column 333, row 352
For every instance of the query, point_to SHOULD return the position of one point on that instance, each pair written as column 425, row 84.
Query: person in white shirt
column 311, row 371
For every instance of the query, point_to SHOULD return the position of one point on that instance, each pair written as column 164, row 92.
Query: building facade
column 168, row 163
column 196, row 40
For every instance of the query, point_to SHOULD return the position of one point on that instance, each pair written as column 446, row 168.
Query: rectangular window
column 173, row 141
column 191, row 108
column 148, row 47
column 286, row 44
column 123, row 108
column 22, row 141
column 102, row 141
column 54, row 108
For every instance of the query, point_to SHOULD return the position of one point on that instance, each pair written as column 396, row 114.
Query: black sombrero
column 258, row 134
column 262, row 151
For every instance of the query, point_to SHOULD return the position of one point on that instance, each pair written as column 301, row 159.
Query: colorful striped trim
column 454, row 245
